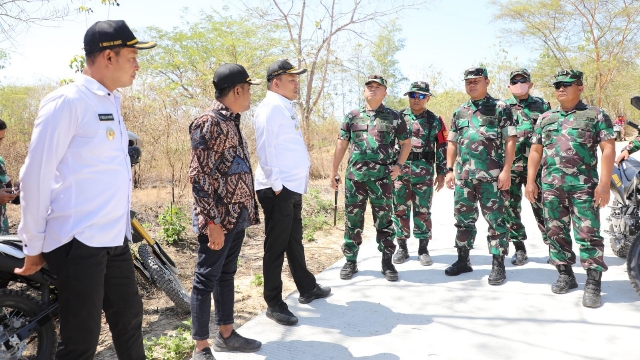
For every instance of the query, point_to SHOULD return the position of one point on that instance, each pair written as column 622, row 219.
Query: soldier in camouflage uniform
column 526, row 110
column 566, row 141
column 633, row 146
column 370, row 133
column 482, row 140
column 414, row 186
column 6, row 193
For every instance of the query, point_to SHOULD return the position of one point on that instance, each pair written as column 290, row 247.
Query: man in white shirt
column 76, row 196
column 281, row 179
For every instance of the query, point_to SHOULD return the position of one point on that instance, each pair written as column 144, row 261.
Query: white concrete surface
column 428, row 315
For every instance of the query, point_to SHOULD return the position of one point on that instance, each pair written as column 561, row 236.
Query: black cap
column 108, row 34
column 283, row 67
column 229, row 75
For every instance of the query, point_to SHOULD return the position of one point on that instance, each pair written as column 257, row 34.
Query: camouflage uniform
column 633, row 146
column 479, row 128
column 372, row 136
column 414, row 186
column 526, row 114
column 569, row 178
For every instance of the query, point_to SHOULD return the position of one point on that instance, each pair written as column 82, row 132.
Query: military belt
column 426, row 155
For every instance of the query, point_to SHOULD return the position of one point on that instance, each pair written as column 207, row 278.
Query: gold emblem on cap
column 111, row 134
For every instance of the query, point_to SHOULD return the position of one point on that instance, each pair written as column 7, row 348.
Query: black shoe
column 520, row 257
column 591, row 297
column 282, row 315
column 462, row 265
column 566, row 280
column 348, row 269
column 205, row 354
column 235, row 342
column 318, row 292
column 388, row 270
column 498, row 274
column 402, row 254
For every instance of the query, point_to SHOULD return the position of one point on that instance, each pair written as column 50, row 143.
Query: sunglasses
column 559, row 85
column 417, row 96
column 521, row 80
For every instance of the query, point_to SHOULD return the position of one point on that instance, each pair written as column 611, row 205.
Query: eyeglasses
column 417, row 96
column 520, row 80
column 559, row 85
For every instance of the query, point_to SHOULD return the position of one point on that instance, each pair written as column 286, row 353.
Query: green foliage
column 172, row 222
column 175, row 346
column 317, row 209
column 257, row 280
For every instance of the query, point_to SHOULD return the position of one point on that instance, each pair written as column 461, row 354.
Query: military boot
column 403, row 253
column 349, row 268
column 423, row 253
column 462, row 265
column 566, row 281
column 498, row 273
column 388, row 270
column 520, row 257
column 591, row 297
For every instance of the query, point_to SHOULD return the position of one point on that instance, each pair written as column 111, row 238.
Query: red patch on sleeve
column 442, row 135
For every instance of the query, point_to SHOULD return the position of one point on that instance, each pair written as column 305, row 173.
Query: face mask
column 519, row 89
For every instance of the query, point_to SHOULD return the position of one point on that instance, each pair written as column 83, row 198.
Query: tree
column 599, row 37
column 315, row 28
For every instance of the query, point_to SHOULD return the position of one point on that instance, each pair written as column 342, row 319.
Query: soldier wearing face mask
column 526, row 109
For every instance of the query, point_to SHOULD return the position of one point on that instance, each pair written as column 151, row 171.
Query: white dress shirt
column 76, row 179
column 282, row 153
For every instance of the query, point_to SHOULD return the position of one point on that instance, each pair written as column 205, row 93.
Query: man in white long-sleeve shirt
column 281, row 179
column 76, row 195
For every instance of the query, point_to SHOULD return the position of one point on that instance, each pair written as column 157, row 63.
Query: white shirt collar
column 93, row 85
column 283, row 100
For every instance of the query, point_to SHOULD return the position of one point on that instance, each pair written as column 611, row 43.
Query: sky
column 441, row 36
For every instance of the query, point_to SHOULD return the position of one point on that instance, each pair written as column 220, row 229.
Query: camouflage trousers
column 514, row 208
column 492, row 203
column 566, row 206
column 408, row 195
column 4, row 221
column 380, row 195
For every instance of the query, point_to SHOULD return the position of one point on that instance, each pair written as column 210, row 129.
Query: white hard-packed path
column 428, row 315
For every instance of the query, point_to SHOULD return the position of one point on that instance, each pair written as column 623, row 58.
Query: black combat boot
column 349, row 268
column 520, row 257
column 423, row 253
column 403, row 253
column 462, row 265
column 566, row 281
column 388, row 270
column 498, row 274
column 591, row 297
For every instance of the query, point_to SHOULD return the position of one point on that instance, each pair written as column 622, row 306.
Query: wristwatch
column 449, row 169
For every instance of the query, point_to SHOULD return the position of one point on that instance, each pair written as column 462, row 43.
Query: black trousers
column 92, row 279
column 283, row 234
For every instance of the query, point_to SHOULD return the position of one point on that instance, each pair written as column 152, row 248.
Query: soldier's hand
column 450, row 180
column 334, row 181
column 531, row 192
column 439, row 182
column 601, row 195
column 504, row 180
column 7, row 195
column 395, row 171
column 624, row 155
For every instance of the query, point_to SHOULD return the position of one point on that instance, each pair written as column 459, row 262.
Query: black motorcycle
column 29, row 304
column 624, row 228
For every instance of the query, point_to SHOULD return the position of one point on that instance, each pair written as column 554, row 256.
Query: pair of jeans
column 214, row 274
column 90, row 280
column 283, row 234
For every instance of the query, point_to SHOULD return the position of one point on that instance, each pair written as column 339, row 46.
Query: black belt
column 427, row 155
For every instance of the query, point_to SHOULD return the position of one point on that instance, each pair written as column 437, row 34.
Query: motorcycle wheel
column 633, row 264
column 620, row 247
column 164, row 279
column 17, row 308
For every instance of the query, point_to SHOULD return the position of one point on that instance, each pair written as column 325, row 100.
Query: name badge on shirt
column 106, row 117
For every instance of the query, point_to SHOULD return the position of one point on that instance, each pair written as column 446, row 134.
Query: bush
column 172, row 223
column 176, row 346
column 258, row 280
column 316, row 212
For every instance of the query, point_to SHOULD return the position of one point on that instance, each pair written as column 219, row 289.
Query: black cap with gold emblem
column 283, row 67
column 109, row 34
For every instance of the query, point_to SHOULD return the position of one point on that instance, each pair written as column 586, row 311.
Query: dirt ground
column 159, row 316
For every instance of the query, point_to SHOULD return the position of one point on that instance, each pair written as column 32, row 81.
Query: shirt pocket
column 489, row 127
column 581, row 131
column 384, row 132
column 549, row 133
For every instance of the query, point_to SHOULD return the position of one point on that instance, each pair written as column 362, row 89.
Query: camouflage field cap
column 476, row 72
column 376, row 78
column 524, row 72
column 568, row 76
column 421, row 87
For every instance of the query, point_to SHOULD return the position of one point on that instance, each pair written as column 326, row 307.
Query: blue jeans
column 214, row 273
